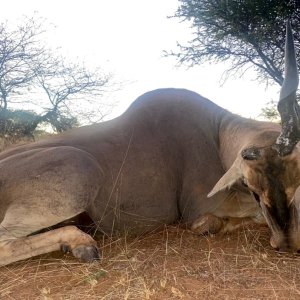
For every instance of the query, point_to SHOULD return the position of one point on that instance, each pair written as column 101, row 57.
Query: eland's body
column 153, row 165
column 156, row 164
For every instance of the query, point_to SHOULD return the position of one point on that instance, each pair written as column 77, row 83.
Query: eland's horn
column 287, row 106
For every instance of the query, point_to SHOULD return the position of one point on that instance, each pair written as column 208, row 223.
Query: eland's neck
column 237, row 133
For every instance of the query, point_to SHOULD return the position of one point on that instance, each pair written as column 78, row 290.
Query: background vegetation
column 40, row 87
column 250, row 34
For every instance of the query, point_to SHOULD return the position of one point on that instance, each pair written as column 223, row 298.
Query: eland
column 172, row 156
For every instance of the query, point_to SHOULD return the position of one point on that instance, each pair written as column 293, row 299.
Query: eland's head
column 272, row 172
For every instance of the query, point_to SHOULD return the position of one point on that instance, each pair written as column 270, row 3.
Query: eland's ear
column 233, row 175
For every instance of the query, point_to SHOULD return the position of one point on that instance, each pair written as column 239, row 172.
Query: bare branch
column 29, row 68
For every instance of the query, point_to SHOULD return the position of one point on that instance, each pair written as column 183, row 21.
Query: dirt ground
column 170, row 264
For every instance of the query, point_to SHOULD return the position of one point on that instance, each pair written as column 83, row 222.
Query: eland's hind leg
column 41, row 188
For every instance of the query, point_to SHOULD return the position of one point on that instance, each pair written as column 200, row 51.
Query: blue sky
column 127, row 38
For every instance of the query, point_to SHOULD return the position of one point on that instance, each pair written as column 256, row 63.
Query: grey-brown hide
column 153, row 165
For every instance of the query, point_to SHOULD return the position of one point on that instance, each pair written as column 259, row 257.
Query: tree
column 32, row 75
column 18, row 47
column 249, row 33
column 17, row 124
column 62, row 85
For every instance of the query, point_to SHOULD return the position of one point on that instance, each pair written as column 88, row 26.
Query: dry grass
column 170, row 264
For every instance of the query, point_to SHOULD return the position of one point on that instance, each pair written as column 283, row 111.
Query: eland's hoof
column 65, row 248
column 207, row 224
column 87, row 253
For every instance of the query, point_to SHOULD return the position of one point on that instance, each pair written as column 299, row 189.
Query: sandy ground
column 171, row 264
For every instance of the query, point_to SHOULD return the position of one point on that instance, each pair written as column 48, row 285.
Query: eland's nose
column 279, row 243
column 287, row 245
column 285, row 249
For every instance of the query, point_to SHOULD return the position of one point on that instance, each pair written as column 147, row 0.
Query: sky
column 127, row 38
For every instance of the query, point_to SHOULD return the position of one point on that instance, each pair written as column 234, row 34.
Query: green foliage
column 23, row 125
column 17, row 123
column 270, row 112
column 60, row 122
column 248, row 33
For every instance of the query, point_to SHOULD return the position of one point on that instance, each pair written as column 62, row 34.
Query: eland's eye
column 256, row 197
